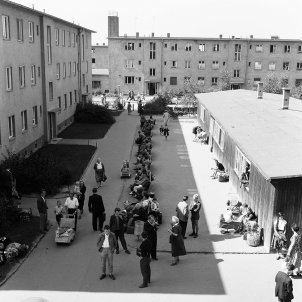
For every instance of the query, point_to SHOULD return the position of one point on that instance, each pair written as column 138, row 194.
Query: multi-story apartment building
column 148, row 64
column 45, row 69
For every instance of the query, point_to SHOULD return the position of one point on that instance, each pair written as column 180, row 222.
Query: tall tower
column 113, row 24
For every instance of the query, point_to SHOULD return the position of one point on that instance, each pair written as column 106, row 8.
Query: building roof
column 100, row 71
column 39, row 13
column 270, row 137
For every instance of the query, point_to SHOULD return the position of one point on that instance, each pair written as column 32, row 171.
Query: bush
column 120, row 106
column 91, row 113
column 157, row 106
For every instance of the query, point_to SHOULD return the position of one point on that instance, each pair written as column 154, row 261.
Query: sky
column 189, row 18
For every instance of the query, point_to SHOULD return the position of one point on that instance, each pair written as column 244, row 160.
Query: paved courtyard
column 217, row 267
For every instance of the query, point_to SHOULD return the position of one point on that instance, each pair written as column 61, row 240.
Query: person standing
column 150, row 227
column 82, row 197
column 106, row 245
column 176, row 240
column 194, row 209
column 99, row 170
column 42, row 208
column 284, row 284
column 144, row 252
column 166, row 132
column 166, row 117
column 129, row 108
column 182, row 212
column 279, row 240
column 116, row 225
column 71, row 205
column 96, row 207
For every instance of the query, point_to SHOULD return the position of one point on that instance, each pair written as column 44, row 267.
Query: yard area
column 85, row 131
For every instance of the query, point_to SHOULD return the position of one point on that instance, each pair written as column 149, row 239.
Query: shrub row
column 157, row 106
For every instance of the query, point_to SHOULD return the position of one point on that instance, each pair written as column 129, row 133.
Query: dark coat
column 112, row 242
column 113, row 224
column 151, row 230
column 95, row 204
column 41, row 205
column 145, row 248
column 177, row 242
column 284, row 287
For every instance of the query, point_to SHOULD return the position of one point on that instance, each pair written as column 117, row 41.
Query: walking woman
column 294, row 250
column 176, row 240
column 82, row 197
column 99, row 172
column 279, row 240
column 194, row 209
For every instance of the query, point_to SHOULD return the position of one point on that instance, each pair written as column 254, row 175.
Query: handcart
column 66, row 231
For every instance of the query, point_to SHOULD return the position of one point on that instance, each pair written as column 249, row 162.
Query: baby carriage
column 65, row 232
column 125, row 171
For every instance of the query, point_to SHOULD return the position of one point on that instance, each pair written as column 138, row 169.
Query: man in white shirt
column 182, row 212
column 71, row 205
column 106, row 244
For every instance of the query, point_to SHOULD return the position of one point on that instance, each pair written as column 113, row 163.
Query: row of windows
column 72, row 69
column 22, row 76
column 71, row 37
column 272, row 66
column 65, row 99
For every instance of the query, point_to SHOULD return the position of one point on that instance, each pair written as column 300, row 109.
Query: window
column 237, row 52
column 139, row 79
column 174, row 47
column 75, row 95
column 166, row 45
column 65, row 101
column 74, row 68
column 173, row 80
column 60, row 103
column 165, row 79
column 5, row 28
column 33, row 74
column 11, row 127
column 285, row 65
column 187, row 64
column 223, row 63
column 69, row 69
column 202, row 113
column 93, row 50
column 58, row 71
column 212, row 123
column 63, row 38
column 20, row 30
column 188, row 47
column 57, row 36
column 214, row 81
column 299, row 48
column 187, row 79
column 129, row 80
column 38, row 29
column 241, row 162
column 139, row 62
column 218, row 135
column 201, row 65
column 256, row 81
column 129, row 46
column 83, row 79
column 93, row 60
column 152, row 72
column 24, row 120
column 173, row 64
column 9, row 78
column 70, row 98
column 64, row 70
column 287, row 48
column 200, row 80
column 22, row 76
column 273, row 48
column 202, row 47
column 139, row 44
column 259, row 48
column 69, row 38
column 152, row 50
column 35, row 115
column 48, row 45
column 258, row 65
column 236, row 73
column 38, row 71
column 50, row 91
column 216, row 47
column 272, row 66
column 299, row 66
column 215, row 65
column 82, row 47
column 87, row 66
column 129, row 63
column 31, row 31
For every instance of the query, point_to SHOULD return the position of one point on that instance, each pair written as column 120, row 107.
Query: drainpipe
column 79, row 69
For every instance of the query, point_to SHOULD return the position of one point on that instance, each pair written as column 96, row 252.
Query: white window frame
column 202, row 47
column 272, row 66
column 22, row 76
column 11, row 127
column 173, row 64
column 129, row 80
column 274, row 48
column 216, row 47
column 211, row 126
column 57, row 36
column 218, row 135
column 63, row 38
column 129, row 63
column 187, row 64
column 20, row 36
column 202, row 113
column 201, row 64
column 74, row 68
column 69, row 69
column 33, row 75
column 35, row 116
column 65, row 101
column 129, row 46
column 287, row 48
column 9, row 78
column 214, row 82
column 240, row 162
column 70, row 98
column 238, row 49
column 299, row 65
column 201, row 80
column 258, row 65
column 69, row 39
column 58, row 71
column 59, row 103
column 64, row 71
column 152, row 72
column 285, row 66
column 188, row 47
column 259, row 48
column 5, row 27
column 31, row 31
column 215, row 64
column 174, row 47
column 152, row 50
column 23, row 121
column 236, row 73
column 73, row 39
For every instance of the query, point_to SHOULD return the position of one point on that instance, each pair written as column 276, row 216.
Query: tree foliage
column 273, row 82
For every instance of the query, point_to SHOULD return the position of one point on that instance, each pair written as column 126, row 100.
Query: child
column 59, row 211
column 166, row 132
column 161, row 130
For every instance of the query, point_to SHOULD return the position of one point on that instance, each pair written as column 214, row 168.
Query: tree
column 296, row 92
column 225, row 82
column 273, row 82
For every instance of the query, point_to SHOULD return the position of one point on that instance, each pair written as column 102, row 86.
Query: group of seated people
column 236, row 216
column 200, row 135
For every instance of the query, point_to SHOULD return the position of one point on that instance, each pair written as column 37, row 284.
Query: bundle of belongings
column 125, row 171
column 9, row 251
column 66, row 229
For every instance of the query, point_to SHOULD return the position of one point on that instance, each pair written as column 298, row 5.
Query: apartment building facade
column 45, row 69
column 149, row 64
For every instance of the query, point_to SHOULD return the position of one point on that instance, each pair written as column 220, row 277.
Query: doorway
column 235, row 86
column 152, row 88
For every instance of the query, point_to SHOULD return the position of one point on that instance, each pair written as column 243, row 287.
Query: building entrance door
column 152, row 88
column 235, row 86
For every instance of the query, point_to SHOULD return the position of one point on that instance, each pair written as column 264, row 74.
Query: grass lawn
column 85, row 131
column 24, row 233
column 73, row 157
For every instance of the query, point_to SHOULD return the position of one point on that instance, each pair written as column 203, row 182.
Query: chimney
column 97, row 44
column 233, row 37
column 260, row 90
column 168, row 35
column 137, row 34
column 220, row 36
column 104, row 44
column 285, row 100
column 152, row 35
column 113, row 24
column 251, row 36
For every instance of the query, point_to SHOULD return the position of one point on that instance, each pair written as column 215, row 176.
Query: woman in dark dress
column 82, row 196
column 176, row 240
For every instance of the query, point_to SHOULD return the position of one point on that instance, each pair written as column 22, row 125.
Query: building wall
column 14, row 53
column 100, row 55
